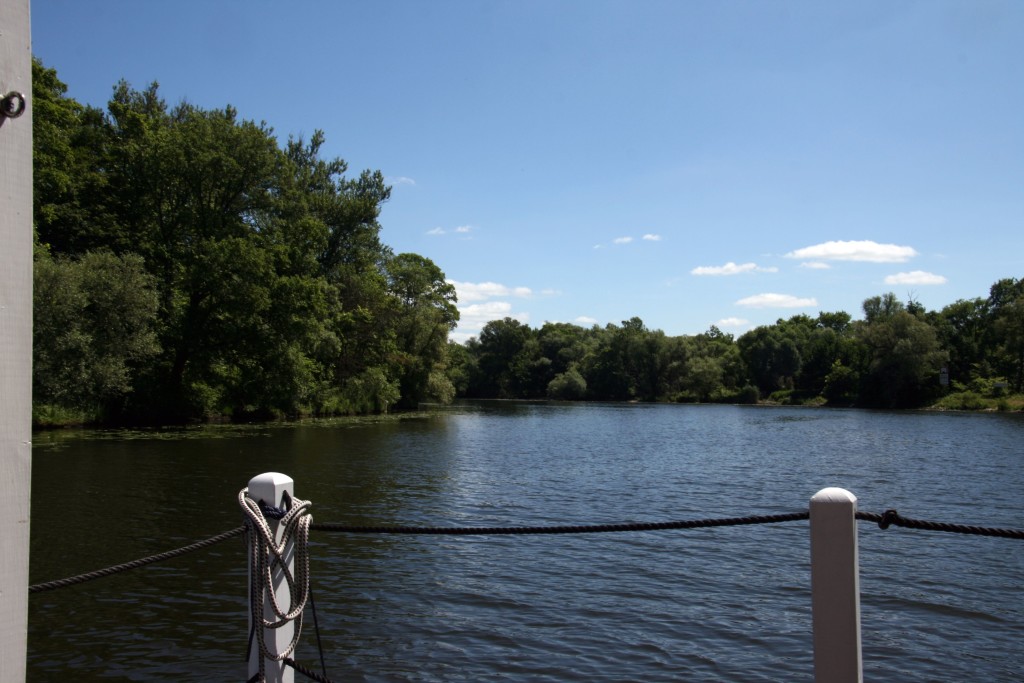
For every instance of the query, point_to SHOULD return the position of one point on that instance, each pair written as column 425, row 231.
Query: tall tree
column 904, row 356
column 426, row 313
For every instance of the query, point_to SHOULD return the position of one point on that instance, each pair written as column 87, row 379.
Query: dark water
column 729, row 604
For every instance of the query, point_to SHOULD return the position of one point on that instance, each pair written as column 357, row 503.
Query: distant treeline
column 188, row 266
column 898, row 356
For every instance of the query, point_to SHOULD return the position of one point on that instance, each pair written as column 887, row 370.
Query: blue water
column 727, row 604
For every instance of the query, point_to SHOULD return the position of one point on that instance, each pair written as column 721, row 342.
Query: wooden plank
column 15, row 339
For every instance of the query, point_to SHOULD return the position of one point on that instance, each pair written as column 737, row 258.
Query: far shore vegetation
column 191, row 267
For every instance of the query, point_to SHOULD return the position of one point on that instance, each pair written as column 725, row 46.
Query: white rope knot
column 267, row 558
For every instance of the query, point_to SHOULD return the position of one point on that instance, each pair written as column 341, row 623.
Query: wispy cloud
column 585, row 320
column 731, row 268
column 771, row 300
column 916, row 277
column 815, row 265
column 855, row 250
column 732, row 323
column 399, row 180
column 460, row 230
column 628, row 239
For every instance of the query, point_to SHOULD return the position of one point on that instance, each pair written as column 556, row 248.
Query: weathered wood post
column 835, row 587
column 15, row 331
column 271, row 488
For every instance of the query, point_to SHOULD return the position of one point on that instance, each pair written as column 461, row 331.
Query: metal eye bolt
column 13, row 105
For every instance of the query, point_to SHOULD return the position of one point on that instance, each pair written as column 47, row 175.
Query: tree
column 568, row 386
column 505, row 357
column 962, row 328
column 1009, row 328
column 772, row 356
column 275, row 293
column 68, row 183
column 904, row 357
column 93, row 328
column 426, row 313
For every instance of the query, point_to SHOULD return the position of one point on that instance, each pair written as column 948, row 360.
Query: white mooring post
column 270, row 487
column 835, row 587
column 15, row 331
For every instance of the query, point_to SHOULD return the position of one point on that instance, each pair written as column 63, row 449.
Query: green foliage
column 747, row 394
column 200, row 269
column 94, row 327
column 568, row 386
column 965, row 400
column 904, row 360
column 892, row 358
column 424, row 314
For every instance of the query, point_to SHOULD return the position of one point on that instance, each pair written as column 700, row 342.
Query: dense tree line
column 188, row 265
column 893, row 357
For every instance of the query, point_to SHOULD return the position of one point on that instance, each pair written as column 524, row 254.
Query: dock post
column 273, row 488
column 15, row 331
column 835, row 587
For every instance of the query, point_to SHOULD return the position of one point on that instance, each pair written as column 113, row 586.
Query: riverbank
column 55, row 417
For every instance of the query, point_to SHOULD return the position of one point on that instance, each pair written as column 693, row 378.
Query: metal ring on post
column 13, row 105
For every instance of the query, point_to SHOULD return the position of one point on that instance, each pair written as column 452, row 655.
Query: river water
column 725, row 604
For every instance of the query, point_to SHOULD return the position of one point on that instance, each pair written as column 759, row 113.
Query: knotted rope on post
column 267, row 558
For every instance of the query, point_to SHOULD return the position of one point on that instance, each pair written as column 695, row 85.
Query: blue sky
column 691, row 163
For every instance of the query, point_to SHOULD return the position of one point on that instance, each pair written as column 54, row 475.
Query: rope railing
column 889, row 518
column 893, row 518
column 559, row 529
column 135, row 564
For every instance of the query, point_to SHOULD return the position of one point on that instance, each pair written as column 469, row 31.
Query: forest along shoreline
column 190, row 268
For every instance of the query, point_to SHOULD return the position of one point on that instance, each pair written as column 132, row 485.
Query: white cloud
column 472, row 318
column 462, row 230
column 770, row 300
column 627, row 239
column 731, row 268
column 916, row 277
column 585, row 320
column 855, row 250
column 400, row 180
column 732, row 322
column 481, row 291
column 815, row 265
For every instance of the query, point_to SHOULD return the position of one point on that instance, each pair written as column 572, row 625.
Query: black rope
column 893, row 518
column 563, row 529
column 135, row 564
column 308, row 673
column 316, row 629
column 889, row 518
column 271, row 512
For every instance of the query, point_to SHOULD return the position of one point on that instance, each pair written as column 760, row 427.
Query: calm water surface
column 728, row 604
